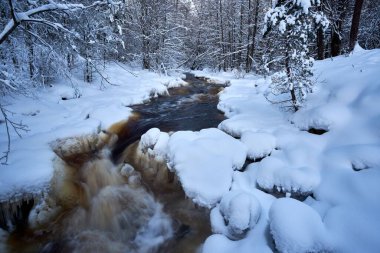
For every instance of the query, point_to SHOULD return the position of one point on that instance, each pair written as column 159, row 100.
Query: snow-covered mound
column 237, row 213
column 259, row 144
column 155, row 143
column 204, row 162
column 297, row 228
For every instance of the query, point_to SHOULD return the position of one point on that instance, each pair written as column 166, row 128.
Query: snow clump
column 237, row 213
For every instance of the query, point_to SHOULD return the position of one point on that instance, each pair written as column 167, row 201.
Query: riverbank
column 326, row 155
column 69, row 108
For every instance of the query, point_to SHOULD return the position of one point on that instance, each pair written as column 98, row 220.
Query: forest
column 42, row 40
column 188, row 126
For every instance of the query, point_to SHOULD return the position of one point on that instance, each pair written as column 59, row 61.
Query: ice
column 296, row 227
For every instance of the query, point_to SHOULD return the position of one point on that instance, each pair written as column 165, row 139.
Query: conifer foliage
column 294, row 23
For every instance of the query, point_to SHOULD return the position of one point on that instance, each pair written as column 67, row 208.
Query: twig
column 17, row 127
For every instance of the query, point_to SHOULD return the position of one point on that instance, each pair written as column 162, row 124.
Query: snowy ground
column 339, row 171
column 48, row 117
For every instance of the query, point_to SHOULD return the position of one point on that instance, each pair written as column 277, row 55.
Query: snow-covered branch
column 27, row 16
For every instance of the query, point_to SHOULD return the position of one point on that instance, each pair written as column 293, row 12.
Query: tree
column 296, row 21
column 355, row 24
column 34, row 42
column 369, row 32
column 18, row 18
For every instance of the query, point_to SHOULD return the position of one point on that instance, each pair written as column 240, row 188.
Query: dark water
column 192, row 107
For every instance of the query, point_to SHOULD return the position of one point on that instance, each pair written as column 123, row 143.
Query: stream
column 104, row 205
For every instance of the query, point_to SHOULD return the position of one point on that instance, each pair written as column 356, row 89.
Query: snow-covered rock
column 204, row 162
column 297, row 228
column 259, row 144
column 274, row 174
column 237, row 213
column 154, row 142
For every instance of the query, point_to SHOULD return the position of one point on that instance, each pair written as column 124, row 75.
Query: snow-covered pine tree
column 293, row 24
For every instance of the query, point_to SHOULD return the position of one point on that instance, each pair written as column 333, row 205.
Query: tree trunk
column 29, row 45
column 320, row 40
column 239, row 63
column 291, row 89
column 254, row 33
column 320, row 44
column 336, row 42
column 222, row 35
column 248, row 60
column 252, row 39
column 355, row 24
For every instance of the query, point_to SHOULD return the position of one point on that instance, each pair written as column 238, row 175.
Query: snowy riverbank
column 62, row 111
column 337, row 172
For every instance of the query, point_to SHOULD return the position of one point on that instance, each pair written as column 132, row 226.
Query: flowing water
column 96, row 203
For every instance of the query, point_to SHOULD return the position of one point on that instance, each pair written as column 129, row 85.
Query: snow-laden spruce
column 297, row 22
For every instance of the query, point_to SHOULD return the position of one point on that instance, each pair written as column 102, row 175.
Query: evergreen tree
column 294, row 24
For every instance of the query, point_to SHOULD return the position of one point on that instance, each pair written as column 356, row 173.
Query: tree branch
column 18, row 17
column 9, row 124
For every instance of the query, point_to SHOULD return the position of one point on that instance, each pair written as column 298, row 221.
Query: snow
column 155, row 142
column 204, row 161
column 259, row 145
column 340, row 168
column 237, row 213
column 305, row 4
column 87, row 109
column 296, row 227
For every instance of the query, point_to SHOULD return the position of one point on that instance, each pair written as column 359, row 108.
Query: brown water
column 96, row 203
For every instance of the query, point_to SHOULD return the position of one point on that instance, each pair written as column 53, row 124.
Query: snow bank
column 247, row 109
column 340, row 168
column 204, row 162
column 296, row 227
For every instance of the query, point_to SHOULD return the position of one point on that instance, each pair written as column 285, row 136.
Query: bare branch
column 9, row 124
